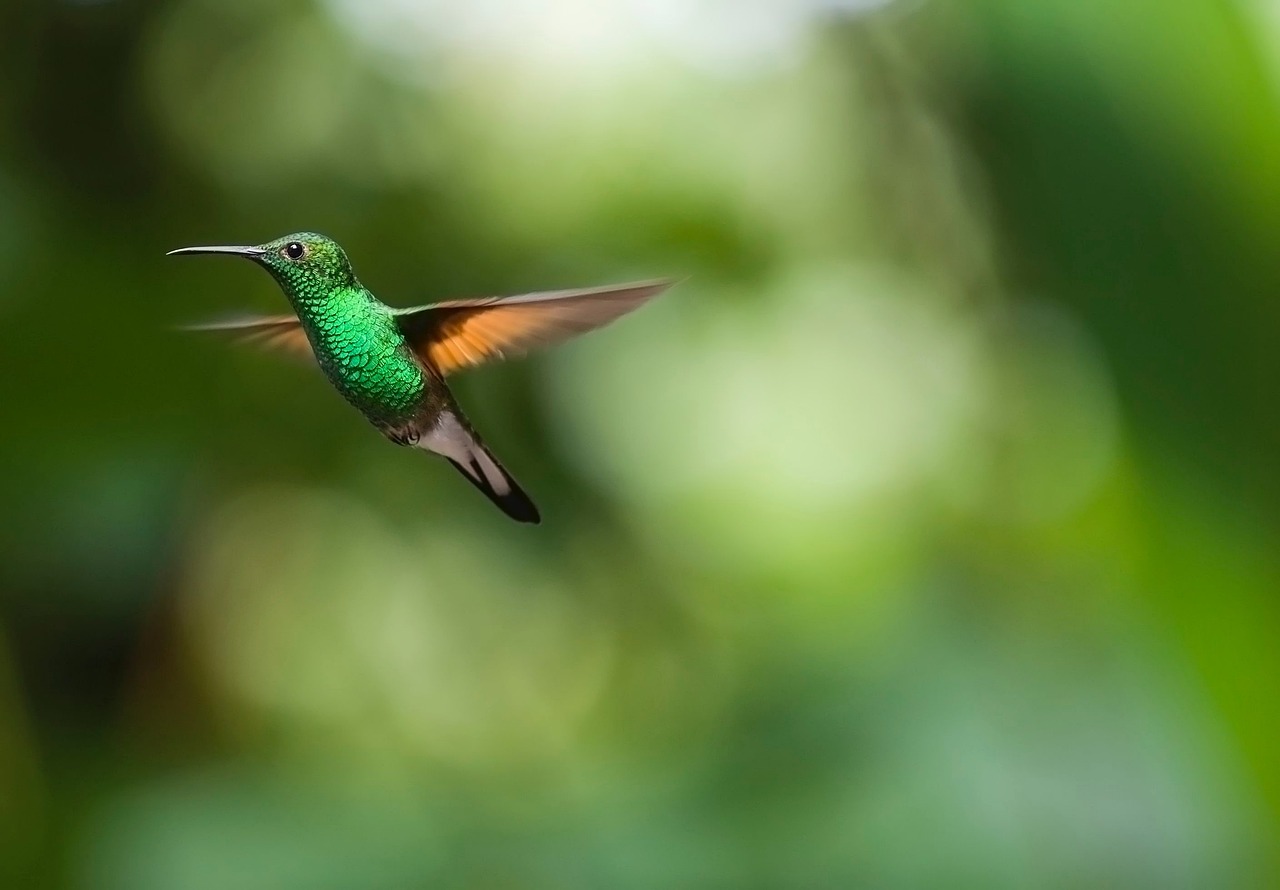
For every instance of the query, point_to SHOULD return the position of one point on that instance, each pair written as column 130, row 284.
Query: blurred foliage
column 926, row 536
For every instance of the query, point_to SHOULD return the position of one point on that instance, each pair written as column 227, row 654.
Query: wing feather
column 282, row 332
column 464, row 333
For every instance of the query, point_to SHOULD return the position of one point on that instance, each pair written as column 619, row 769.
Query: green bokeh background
column 925, row 536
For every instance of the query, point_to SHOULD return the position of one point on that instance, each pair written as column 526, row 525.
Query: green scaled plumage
column 391, row 364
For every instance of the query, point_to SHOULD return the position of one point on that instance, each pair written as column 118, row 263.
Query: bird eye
column 294, row 250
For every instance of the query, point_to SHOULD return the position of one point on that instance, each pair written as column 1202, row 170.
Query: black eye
column 294, row 250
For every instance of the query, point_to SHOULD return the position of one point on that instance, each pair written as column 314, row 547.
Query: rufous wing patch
column 464, row 333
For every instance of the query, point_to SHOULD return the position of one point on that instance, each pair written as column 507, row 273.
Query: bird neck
column 349, row 308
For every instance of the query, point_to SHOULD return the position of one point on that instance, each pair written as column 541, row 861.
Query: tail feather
column 485, row 473
column 454, row 440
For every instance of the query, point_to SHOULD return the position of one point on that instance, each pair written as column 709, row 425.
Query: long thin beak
column 250, row 252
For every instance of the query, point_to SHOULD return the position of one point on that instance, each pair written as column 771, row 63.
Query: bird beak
column 252, row 253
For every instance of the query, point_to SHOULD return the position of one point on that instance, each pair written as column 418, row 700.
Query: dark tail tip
column 518, row 505
column 514, row 502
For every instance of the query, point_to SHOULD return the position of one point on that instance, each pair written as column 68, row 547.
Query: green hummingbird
column 391, row 364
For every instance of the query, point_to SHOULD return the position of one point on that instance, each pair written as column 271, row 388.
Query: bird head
column 306, row 265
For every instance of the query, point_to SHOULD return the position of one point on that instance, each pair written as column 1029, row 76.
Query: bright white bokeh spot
column 596, row 35
column 837, row 391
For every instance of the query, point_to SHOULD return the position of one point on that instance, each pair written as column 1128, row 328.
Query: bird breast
column 372, row 369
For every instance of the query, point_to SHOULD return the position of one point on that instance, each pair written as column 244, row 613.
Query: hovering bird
column 391, row 364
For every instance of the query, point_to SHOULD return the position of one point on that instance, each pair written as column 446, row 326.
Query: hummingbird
column 391, row 364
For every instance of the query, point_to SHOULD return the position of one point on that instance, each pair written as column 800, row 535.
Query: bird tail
column 458, row 444
column 486, row 474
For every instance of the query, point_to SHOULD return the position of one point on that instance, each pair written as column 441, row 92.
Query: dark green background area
column 925, row 536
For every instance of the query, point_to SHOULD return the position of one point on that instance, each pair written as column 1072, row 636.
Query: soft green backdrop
column 926, row 536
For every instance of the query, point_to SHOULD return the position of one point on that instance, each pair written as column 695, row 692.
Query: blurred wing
column 463, row 333
column 282, row 332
